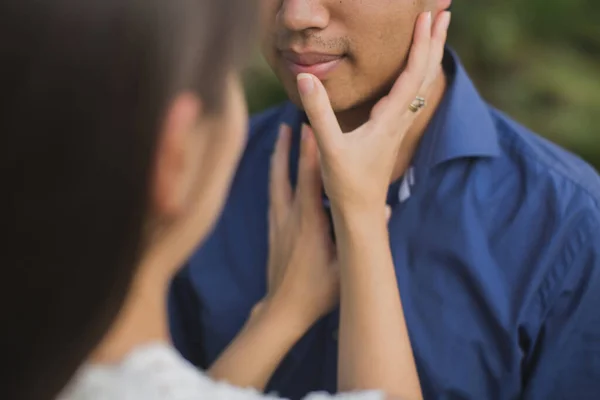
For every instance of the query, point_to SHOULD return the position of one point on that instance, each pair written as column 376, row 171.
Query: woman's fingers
column 407, row 86
column 422, row 66
column 388, row 213
column 309, row 186
column 309, row 189
column 436, row 52
column 318, row 110
column 280, row 197
column 280, row 191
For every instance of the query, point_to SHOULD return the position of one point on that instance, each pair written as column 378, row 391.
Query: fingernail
column 305, row 132
column 428, row 18
column 446, row 20
column 283, row 130
column 305, row 83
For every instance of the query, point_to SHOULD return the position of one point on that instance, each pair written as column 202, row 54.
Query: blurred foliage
column 537, row 60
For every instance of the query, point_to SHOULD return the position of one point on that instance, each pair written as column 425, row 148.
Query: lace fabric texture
column 158, row 372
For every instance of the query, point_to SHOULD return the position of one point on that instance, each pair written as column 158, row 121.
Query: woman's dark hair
column 84, row 85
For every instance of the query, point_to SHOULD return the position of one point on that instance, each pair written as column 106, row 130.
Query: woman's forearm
column 252, row 358
column 374, row 347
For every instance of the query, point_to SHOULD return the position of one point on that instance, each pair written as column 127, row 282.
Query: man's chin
column 337, row 105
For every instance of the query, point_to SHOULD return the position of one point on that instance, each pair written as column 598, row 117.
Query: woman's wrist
column 357, row 207
column 364, row 223
column 275, row 311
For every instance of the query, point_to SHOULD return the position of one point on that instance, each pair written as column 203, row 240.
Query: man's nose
column 300, row 15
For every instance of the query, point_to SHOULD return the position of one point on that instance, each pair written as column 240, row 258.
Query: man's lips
column 318, row 64
column 308, row 59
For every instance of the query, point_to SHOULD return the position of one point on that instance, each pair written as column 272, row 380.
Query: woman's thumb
column 318, row 109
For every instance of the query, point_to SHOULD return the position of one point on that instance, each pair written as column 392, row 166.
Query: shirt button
column 335, row 334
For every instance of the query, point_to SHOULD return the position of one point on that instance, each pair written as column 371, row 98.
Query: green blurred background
column 537, row 60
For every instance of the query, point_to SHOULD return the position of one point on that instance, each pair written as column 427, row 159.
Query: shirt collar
column 461, row 127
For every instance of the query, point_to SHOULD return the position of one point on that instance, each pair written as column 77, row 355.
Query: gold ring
column 417, row 104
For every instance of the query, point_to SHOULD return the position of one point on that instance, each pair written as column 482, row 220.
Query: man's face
column 356, row 47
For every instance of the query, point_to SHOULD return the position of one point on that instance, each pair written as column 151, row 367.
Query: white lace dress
column 158, row 372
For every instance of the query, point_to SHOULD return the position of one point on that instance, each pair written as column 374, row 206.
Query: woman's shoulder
column 158, row 372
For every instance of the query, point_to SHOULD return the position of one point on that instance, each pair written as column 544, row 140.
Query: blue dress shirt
column 494, row 235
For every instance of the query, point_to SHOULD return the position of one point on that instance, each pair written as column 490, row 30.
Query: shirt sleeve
column 565, row 362
column 157, row 372
column 184, row 319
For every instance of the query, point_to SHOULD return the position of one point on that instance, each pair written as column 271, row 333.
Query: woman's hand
column 302, row 272
column 357, row 166
column 374, row 344
column 303, row 280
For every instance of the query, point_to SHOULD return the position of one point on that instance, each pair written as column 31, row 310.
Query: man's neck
column 352, row 119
